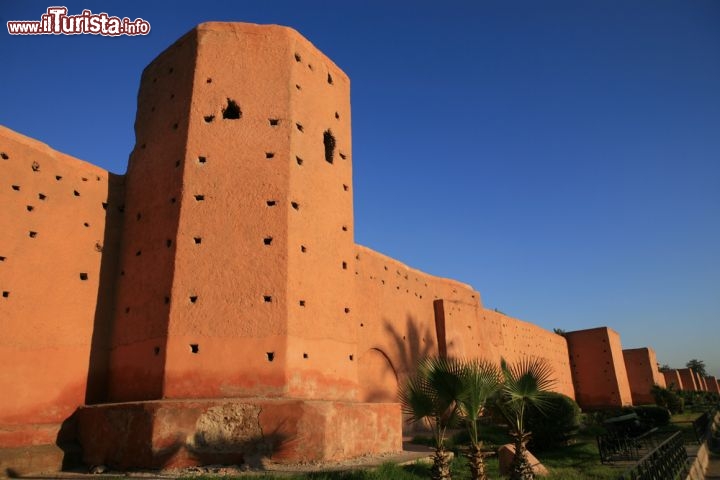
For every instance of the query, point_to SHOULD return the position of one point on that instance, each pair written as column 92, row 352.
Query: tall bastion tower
column 238, row 231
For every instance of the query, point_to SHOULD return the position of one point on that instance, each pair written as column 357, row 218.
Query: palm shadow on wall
column 401, row 348
column 418, row 341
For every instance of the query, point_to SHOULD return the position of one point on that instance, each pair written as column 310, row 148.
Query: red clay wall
column 701, row 382
column 406, row 314
column 598, row 368
column 473, row 331
column 687, row 376
column 713, row 384
column 643, row 374
column 672, row 377
column 57, row 253
column 395, row 319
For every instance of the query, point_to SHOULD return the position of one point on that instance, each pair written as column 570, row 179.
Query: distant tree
column 559, row 331
column 665, row 368
column 698, row 367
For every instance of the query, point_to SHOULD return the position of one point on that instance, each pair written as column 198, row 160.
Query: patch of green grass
column 580, row 460
column 686, row 416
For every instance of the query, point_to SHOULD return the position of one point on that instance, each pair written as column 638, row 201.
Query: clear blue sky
column 562, row 157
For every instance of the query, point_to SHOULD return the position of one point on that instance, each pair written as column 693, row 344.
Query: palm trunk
column 441, row 466
column 520, row 468
column 476, row 458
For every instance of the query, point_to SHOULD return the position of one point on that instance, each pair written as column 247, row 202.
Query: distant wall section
column 643, row 374
column 687, row 377
column 672, row 379
column 405, row 315
column 598, row 368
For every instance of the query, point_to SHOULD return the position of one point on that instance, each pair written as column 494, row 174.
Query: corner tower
column 239, row 224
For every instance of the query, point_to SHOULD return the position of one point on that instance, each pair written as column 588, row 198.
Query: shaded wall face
column 54, row 226
column 149, row 239
column 598, row 368
column 672, row 379
column 713, row 385
column 687, row 377
column 702, row 384
column 641, row 366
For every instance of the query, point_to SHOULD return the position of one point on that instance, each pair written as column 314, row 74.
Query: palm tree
column 481, row 381
column 525, row 383
column 430, row 396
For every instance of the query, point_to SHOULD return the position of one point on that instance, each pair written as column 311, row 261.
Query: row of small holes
column 35, row 166
column 42, row 196
column 195, row 348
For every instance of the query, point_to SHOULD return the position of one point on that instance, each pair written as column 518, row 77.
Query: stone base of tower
column 181, row 433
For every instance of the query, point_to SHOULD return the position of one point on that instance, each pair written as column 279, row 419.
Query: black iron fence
column 703, row 423
column 668, row 461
